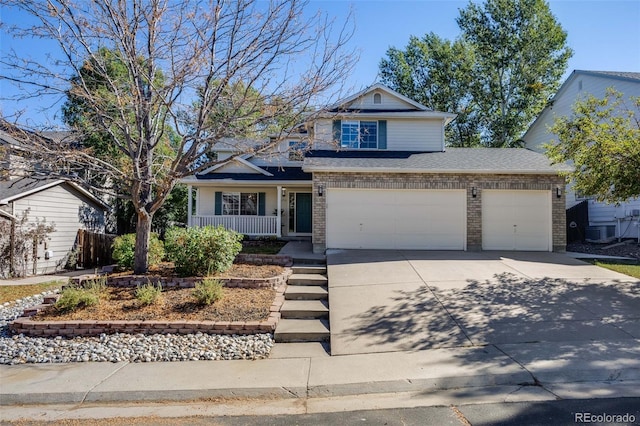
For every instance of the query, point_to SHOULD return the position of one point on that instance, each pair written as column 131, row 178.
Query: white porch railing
column 249, row 225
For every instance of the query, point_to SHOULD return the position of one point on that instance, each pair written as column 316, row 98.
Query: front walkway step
column 310, row 259
column 306, row 292
column 301, row 309
column 300, row 330
column 308, row 279
column 309, row 269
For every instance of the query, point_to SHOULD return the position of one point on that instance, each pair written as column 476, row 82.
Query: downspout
column 12, row 241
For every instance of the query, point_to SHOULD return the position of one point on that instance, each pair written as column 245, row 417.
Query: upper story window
column 297, row 150
column 359, row 134
column 377, row 98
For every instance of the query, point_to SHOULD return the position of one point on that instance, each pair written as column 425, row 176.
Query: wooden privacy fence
column 94, row 249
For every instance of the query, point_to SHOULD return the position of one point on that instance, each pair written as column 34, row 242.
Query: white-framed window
column 359, row 134
column 240, row 203
column 297, row 150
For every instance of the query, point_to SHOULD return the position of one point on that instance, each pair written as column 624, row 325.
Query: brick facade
column 522, row 182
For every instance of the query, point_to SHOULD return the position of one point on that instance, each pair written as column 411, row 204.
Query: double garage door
column 396, row 219
column 436, row 219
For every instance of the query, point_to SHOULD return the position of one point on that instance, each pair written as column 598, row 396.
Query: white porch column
column 189, row 205
column 279, row 213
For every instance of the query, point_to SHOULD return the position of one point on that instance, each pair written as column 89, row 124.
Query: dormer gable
column 378, row 98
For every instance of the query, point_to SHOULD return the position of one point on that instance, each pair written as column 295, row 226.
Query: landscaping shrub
column 202, row 251
column 148, row 294
column 73, row 298
column 208, row 291
column 124, row 250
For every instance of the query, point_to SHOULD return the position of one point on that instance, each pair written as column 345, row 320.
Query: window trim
column 359, row 141
column 297, row 150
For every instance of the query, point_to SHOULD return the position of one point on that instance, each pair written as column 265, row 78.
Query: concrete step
column 308, row 279
column 306, row 292
column 302, row 330
column 302, row 309
column 309, row 269
column 312, row 259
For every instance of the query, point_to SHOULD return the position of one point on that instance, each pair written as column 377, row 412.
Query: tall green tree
column 201, row 48
column 602, row 140
column 437, row 73
column 520, row 55
column 497, row 76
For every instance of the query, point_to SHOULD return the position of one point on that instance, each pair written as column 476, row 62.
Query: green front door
column 303, row 212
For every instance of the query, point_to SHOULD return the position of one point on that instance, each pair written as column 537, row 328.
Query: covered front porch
column 253, row 209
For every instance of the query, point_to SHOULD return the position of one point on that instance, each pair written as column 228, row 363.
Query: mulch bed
column 176, row 304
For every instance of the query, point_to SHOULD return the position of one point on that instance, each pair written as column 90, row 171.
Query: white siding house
column 579, row 85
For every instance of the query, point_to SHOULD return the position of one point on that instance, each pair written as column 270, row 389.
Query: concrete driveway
column 386, row 301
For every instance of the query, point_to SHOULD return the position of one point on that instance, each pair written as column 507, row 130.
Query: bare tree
column 195, row 71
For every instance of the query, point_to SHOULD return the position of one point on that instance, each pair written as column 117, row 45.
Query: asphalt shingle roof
column 11, row 188
column 453, row 160
column 279, row 173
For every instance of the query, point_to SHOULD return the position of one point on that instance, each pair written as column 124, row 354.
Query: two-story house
column 373, row 172
column 607, row 220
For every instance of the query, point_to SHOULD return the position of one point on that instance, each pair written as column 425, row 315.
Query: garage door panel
column 401, row 219
column 516, row 220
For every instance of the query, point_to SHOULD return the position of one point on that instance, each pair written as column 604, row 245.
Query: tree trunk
column 143, row 234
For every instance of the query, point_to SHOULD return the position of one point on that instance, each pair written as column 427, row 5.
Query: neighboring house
column 373, row 172
column 65, row 205
column 607, row 220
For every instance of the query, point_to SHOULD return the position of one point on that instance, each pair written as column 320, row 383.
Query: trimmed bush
column 124, row 248
column 202, row 251
column 148, row 294
column 208, row 291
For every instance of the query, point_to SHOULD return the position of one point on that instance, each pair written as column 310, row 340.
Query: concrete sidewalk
column 40, row 279
column 534, row 371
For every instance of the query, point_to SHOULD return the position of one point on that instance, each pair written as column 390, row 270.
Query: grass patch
column 632, row 270
column 9, row 293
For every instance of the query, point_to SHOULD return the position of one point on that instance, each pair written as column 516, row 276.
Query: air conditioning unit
column 635, row 212
column 600, row 233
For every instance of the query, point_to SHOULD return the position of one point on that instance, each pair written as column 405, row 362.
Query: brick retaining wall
column 29, row 327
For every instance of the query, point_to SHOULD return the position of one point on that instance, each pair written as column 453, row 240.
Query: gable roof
column 453, row 160
column 633, row 77
column 381, row 87
column 11, row 190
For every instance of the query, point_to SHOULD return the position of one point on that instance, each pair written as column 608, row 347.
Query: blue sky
column 605, row 35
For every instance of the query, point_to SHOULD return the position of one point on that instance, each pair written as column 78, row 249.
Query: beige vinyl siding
column 414, row 135
column 387, row 102
column 235, row 167
column 402, row 134
column 68, row 212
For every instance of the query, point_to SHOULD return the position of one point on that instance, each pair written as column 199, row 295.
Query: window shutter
column 218, row 206
column 382, row 134
column 337, row 130
column 261, row 203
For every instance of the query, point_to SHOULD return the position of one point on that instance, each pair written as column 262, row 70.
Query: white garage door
column 396, row 219
column 516, row 220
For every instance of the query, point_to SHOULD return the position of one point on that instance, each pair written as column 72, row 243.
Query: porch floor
column 301, row 250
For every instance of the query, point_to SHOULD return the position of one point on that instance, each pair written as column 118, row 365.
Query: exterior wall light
column 474, row 192
column 283, row 191
column 558, row 192
column 320, row 190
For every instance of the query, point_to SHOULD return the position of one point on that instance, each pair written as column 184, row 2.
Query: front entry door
column 303, row 212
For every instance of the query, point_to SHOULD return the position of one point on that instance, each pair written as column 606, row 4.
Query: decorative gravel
column 20, row 349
